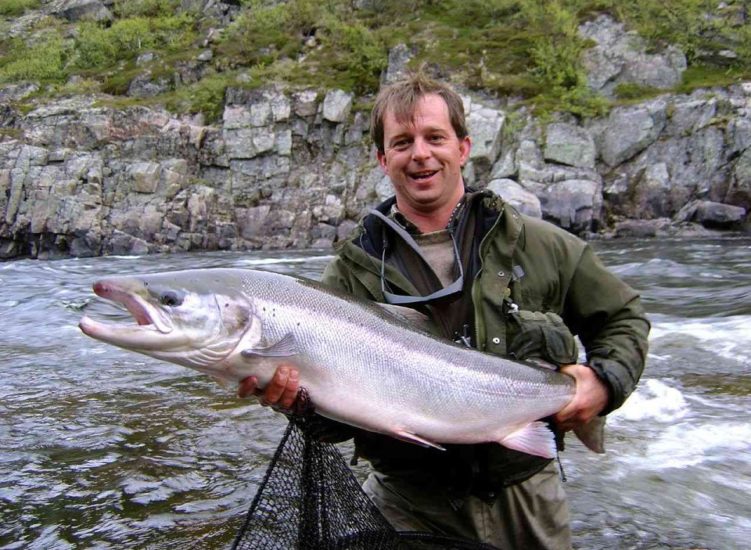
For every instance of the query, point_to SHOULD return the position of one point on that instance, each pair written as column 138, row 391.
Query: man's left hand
column 590, row 398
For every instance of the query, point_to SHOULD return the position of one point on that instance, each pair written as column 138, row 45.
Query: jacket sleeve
column 610, row 321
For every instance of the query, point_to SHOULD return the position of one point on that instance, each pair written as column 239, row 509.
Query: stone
column 145, row 176
column 144, row 86
column 397, row 68
column 305, row 103
column 620, row 57
column 628, row 132
column 486, row 129
column 712, row 215
column 78, row 10
column 514, row 194
column 336, row 105
column 739, row 192
column 569, row 144
column 573, row 204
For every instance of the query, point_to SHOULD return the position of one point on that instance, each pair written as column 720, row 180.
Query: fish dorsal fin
column 286, row 347
column 534, row 439
column 410, row 316
column 537, row 362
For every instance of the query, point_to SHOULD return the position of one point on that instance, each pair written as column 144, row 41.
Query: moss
column 44, row 61
column 14, row 8
column 529, row 49
column 205, row 96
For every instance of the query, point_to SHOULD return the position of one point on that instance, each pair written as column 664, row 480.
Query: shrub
column 14, row 8
column 43, row 61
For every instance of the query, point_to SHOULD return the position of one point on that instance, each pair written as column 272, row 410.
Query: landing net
column 310, row 500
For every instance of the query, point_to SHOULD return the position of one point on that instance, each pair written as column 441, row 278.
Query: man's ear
column 465, row 146
column 382, row 160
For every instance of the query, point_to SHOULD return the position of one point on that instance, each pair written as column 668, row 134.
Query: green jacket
column 561, row 274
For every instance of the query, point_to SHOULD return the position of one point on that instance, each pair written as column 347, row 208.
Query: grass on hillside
column 529, row 49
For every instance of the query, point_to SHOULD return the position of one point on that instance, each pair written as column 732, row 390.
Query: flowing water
column 102, row 448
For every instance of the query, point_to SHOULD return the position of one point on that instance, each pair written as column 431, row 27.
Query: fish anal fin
column 286, row 347
column 592, row 434
column 534, row 439
column 410, row 437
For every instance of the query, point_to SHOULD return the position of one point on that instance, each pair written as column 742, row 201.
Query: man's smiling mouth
column 423, row 175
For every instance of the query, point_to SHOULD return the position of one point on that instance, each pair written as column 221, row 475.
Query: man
column 492, row 279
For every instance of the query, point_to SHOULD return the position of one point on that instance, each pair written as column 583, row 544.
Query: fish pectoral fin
column 409, row 437
column 534, row 439
column 221, row 381
column 286, row 347
column 592, row 434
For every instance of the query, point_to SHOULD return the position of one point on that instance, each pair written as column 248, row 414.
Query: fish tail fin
column 592, row 434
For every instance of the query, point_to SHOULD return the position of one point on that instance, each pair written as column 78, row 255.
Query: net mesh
column 310, row 499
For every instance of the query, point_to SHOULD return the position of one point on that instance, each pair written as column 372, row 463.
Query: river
column 101, row 448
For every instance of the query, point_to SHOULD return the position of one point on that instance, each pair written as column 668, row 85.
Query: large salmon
column 360, row 363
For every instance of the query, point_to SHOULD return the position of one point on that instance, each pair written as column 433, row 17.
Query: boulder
column 518, row 197
column 572, row 204
column 486, row 129
column 712, row 214
column 629, row 131
column 569, row 144
column 621, row 57
column 77, row 10
column 336, row 105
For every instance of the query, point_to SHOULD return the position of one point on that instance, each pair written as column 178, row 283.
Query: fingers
column 247, row 387
column 281, row 391
column 289, row 395
column 274, row 390
column 590, row 398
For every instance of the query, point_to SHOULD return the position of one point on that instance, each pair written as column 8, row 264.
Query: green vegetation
column 14, row 8
column 528, row 49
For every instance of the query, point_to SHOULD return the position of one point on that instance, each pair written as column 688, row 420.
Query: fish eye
column 170, row 298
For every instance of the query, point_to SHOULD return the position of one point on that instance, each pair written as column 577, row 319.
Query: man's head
column 422, row 146
column 401, row 99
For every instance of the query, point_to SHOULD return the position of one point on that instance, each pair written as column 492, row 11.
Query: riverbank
column 281, row 163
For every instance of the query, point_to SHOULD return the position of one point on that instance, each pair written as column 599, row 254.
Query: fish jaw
column 197, row 332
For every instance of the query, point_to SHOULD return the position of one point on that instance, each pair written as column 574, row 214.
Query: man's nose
column 420, row 149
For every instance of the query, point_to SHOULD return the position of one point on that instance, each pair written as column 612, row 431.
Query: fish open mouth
column 150, row 321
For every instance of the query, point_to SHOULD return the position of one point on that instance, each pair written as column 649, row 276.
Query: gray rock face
column 486, row 129
column 629, row 131
column 521, row 199
column 399, row 56
column 620, row 57
column 280, row 171
column 573, row 204
column 336, row 105
column 569, row 144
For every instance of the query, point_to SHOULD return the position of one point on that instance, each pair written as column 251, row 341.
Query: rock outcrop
column 296, row 169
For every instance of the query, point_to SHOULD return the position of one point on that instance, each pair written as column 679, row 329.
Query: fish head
column 182, row 317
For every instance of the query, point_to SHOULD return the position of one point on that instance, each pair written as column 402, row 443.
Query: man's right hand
column 280, row 392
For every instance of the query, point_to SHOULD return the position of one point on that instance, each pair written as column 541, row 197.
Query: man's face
column 424, row 157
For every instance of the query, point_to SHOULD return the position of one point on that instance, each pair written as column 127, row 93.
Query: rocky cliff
column 295, row 168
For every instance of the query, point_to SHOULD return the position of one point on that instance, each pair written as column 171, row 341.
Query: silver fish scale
column 354, row 353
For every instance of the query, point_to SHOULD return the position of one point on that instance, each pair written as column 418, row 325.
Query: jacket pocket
column 534, row 334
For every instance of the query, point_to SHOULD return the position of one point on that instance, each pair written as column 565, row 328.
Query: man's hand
column 279, row 393
column 590, row 398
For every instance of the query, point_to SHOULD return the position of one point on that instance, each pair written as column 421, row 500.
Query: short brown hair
column 402, row 97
